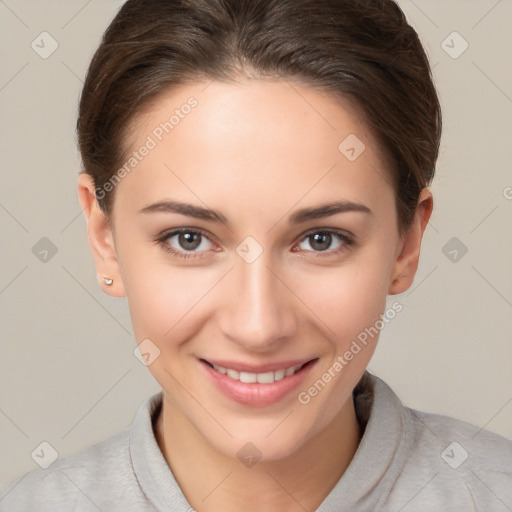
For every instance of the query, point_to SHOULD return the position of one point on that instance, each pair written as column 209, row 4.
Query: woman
column 256, row 184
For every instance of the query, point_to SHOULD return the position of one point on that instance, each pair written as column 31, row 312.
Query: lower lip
column 255, row 394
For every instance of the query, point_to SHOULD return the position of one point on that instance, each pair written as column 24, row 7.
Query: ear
column 101, row 238
column 406, row 263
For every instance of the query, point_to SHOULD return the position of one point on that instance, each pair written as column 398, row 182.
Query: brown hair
column 363, row 51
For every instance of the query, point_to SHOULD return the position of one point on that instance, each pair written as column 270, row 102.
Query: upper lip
column 258, row 368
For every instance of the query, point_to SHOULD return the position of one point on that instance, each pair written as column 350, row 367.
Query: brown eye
column 189, row 241
column 320, row 241
column 325, row 241
column 185, row 242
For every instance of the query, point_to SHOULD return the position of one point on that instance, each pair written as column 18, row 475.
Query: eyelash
column 162, row 240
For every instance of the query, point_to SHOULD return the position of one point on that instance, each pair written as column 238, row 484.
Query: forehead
column 251, row 140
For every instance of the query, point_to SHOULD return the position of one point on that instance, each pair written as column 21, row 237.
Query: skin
column 255, row 151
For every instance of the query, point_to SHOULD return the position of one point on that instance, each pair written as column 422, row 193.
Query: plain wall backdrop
column 68, row 373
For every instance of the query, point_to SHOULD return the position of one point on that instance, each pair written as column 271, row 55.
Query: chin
column 263, row 443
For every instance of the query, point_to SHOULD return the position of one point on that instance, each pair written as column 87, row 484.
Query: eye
column 192, row 243
column 185, row 242
column 325, row 241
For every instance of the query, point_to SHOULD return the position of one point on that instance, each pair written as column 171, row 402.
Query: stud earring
column 108, row 281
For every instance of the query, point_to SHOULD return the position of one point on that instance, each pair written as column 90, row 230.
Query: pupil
column 190, row 240
column 321, row 242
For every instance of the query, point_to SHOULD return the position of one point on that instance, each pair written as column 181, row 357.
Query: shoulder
column 102, row 475
column 455, row 464
column 466, row 442
column 71, row 479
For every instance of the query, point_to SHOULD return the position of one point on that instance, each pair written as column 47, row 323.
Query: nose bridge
column 259, row 309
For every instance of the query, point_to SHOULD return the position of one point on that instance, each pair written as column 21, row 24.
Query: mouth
column 257, row 386
column 261, row 377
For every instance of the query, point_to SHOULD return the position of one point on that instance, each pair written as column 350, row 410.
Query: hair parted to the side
column 360, row 51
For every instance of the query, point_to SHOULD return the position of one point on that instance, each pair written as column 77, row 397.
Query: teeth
column 262, row 378
column 279, row 374
column 289, row 371
column 265, row 378
column 248, row 378
column 233, row 374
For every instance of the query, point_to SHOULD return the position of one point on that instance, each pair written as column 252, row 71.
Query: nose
column 258, row 310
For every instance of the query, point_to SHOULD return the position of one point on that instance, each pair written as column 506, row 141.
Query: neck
column 212, row 481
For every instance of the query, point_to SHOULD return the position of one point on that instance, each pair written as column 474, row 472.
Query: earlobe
column 406, row 263
column 101, row 239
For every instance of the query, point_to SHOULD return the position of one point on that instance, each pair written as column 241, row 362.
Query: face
column 251, row 248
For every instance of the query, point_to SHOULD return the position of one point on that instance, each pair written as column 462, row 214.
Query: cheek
column 350, row 304
column 347, row 299
column 166, row 302
column 166, row 308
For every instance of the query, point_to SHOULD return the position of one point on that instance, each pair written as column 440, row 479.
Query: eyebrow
column 300, row 216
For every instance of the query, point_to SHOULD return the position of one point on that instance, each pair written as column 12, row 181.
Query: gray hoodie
column 406, row 461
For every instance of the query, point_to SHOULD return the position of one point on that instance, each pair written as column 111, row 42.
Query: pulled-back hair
column 361, row 51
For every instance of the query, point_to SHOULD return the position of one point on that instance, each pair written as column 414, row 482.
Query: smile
column 257, row 385
column 261, row 378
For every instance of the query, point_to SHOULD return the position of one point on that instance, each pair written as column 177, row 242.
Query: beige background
column 68, row 374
